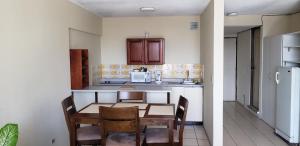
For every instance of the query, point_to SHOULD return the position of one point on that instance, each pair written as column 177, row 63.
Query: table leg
column 171, row 125
column 168, row 97
column 96, row 97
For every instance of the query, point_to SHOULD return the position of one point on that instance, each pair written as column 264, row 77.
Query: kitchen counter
column 162, row 84
column 166, row 92
column 126, row 87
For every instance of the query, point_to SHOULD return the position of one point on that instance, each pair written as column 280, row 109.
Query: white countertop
column 124, row 88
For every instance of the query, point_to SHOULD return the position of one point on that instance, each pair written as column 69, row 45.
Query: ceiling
column 252, row 7
column 109, row 8
column 113, row 8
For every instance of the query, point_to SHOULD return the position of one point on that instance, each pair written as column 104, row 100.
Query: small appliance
column 140, row 77
column 158, row 77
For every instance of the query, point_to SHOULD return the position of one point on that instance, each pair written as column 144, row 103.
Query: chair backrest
column 131, row 96
column 181, row 112
column 125, row 120
column 69, row 109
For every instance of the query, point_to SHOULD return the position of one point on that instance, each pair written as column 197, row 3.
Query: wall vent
column 194, row 25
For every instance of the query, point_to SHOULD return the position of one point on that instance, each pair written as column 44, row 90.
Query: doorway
column 255, row 68
column 248, row 68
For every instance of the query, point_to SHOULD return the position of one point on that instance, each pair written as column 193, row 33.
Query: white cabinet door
column 107, row 97
column 81, row 99
column 176, row 92
column 156, row 97
column 195, row 98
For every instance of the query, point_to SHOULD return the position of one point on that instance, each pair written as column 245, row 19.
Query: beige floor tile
column 189, row 134
column 244, row 128
column 227, row 139
column 200, row 134
column 190, row 142
column 188, row 127
column 198, row 127
column 203, row 142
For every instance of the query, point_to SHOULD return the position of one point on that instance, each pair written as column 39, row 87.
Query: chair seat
column 160, row 135
column 88, row 133
column 122, row 139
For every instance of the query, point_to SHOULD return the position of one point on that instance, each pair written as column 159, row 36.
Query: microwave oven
column 140, row 77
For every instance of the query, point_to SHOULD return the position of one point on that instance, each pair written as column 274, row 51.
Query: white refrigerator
column 287, row 103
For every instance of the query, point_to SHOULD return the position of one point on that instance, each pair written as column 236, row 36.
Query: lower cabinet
column 156, row 97
column 81, row 99
column 107, row 97
column 195, row 97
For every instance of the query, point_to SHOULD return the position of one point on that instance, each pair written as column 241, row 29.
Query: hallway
column 242, row 128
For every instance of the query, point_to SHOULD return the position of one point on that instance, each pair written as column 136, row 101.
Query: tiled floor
column 194, row 136
column 242, row 128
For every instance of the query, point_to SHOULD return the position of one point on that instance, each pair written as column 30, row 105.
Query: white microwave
column 140, row 77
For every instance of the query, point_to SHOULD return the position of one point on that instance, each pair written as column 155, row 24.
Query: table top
column 145, row 110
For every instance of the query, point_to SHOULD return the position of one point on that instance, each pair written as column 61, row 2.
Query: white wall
column 181, row 44
column 242, row 20
column 90, row 41
column 229, row 69
column 35, row 74
column 212, row 28
column 295, row 22
column 275, row 25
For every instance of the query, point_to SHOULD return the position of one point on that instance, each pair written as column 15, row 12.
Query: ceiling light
column 147, row 9
column 232, row 14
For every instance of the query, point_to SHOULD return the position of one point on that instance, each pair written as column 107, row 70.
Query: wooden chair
column 89, row 135
column 127, row 96
column 160, row 136
column 120, row 126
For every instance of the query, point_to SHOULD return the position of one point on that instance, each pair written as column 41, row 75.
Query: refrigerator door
column 287, row 103
column 283, row 101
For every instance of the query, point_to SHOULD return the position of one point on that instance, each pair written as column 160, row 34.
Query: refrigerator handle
column 277, row 77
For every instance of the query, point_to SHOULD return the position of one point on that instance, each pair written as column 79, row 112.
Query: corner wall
column 212, row 37
column 295, row 22
column 35, row 69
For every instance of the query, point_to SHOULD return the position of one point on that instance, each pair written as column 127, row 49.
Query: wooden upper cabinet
column 135, row 51
column 145, row 51
column 154, row 51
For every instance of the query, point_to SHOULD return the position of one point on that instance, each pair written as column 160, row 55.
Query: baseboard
column 193, row 123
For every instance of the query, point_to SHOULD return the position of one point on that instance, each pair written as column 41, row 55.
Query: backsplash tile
column 168, row 70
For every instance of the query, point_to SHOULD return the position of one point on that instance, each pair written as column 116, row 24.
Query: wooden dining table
column 150, row 114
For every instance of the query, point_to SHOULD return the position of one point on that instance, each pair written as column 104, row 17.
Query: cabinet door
column 107, row 97
column 175, row 94
column 154, row 51
column 156, row 97
column 195, row 98
column 135, row 51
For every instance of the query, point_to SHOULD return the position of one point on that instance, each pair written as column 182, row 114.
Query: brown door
column 154, row 51
column 135, row 51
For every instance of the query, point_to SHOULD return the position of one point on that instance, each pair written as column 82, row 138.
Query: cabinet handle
column 277, row 77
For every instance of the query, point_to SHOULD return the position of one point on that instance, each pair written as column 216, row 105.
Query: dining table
column 149, row 114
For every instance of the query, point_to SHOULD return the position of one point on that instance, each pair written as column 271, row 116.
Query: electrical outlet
column 53, row 141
